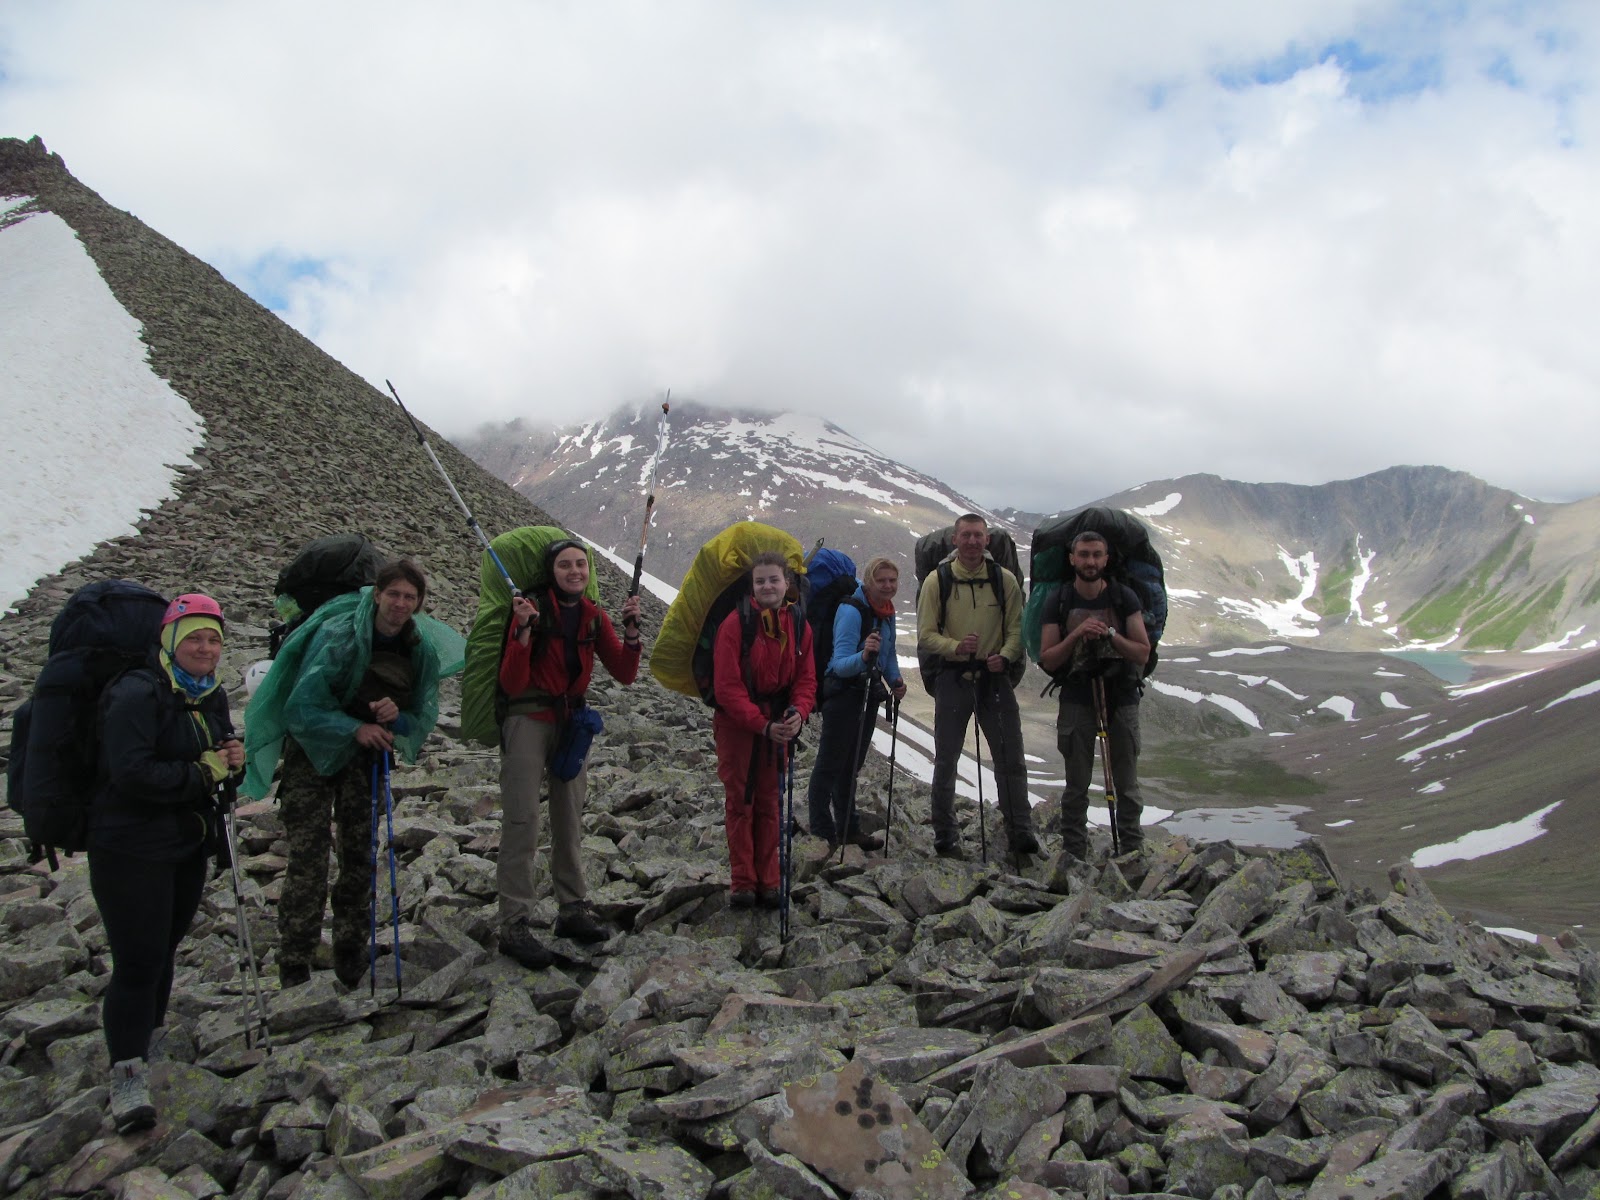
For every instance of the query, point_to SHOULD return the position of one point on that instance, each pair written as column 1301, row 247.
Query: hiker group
column 127, row 749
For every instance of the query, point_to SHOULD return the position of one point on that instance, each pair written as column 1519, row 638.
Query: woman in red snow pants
column 763, row 698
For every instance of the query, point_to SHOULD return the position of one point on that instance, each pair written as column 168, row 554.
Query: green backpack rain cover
column 522, row 552
column 316, row 675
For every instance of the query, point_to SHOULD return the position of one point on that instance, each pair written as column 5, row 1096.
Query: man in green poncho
column 365, row 683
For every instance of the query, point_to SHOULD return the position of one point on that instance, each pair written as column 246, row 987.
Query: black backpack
column 1132, row 561
column 734, row 598
column 933, row 549
column 103, row 630
column 325, row 567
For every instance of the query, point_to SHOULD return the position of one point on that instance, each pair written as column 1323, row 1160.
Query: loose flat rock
column 857, row 1132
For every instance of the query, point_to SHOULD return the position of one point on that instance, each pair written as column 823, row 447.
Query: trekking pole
column 894, row 744
column 1102, row 735
column 394, row 883
column 977, row 755
column 250, row 978
column 650, row 499
column 869, row 714
column 786, row 847
column 1008, row 800
column 472, row 522
column 372, row 903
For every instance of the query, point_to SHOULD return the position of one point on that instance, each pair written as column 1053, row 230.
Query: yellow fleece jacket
column 972, row 608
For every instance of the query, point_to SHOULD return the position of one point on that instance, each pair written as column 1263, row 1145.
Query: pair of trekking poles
column 380, row 785
column 786, row 792
column 869, row 718
column 255, row 1025
column 1102, row 734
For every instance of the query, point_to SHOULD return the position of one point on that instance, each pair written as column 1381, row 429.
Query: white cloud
column 1357, row 229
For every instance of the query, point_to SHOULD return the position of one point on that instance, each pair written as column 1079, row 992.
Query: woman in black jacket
column 166, row 744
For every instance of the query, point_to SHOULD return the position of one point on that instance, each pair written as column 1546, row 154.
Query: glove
column 214, row 766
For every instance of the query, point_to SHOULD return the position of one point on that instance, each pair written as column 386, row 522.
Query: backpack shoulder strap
column 947, row 584
column 997, row 585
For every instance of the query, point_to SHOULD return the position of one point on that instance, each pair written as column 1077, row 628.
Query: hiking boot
column 1024, row 841
column 517, row 941
column 131, row 1109
column 769, row 897
column 950, row 849
column 741, row 899
column 867, row 841
column 578, row 922
column 350, row 965
column 293, row 975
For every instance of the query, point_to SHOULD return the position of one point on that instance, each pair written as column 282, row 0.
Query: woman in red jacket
column 762, row 701
column 544, row 673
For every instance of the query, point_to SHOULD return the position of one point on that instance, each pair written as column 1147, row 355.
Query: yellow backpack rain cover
column 719, row 564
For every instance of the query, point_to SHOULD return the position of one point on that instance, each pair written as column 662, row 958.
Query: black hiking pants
column 146, row 906
column 828, row 796
column 1001, row 722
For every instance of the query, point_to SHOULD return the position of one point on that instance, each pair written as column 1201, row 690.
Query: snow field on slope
column 91, row 431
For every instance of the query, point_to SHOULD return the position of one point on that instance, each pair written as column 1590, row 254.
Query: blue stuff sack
column 572, row 751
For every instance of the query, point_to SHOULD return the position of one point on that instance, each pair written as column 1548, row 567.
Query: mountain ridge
column 1405, row 556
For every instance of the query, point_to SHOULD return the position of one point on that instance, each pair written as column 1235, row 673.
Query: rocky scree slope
column 1200, row 1020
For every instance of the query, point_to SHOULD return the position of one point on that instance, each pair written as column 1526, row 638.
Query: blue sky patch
column 269, row 278
column 1372, row 76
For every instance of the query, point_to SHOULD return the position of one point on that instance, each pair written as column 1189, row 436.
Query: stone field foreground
column 1197, row 1022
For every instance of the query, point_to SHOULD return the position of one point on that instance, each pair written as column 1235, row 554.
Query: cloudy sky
column 1043, row 251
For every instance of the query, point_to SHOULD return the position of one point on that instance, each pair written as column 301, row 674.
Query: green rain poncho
column 315, row 677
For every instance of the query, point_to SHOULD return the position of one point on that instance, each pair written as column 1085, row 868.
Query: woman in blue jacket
column 863, row 649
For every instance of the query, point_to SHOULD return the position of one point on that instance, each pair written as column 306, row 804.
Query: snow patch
column 1472, row 689
column 1412, row 756
column 78, row 402
column 1390, row 700
column 658, row 588
column 1226, row 703
column 1577, row 693
column 1549, row 647
column 1342, row 705
column 1481, row 842
column 1283, row 618
column 1160, row 508
column 1358, row 584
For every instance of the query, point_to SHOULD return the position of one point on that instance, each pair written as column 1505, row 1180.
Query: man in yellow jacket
column 969, row 619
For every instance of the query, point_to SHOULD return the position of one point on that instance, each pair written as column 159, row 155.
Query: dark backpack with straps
column 325, row 567
column 103, row 630
column 932, row 555
column 1133, row 561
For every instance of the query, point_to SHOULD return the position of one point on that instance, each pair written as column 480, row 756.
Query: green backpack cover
column 522, row 552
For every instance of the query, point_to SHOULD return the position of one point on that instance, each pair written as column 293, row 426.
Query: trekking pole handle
column 650, row 499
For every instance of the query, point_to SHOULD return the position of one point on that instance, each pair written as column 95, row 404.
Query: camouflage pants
column 308, row 801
